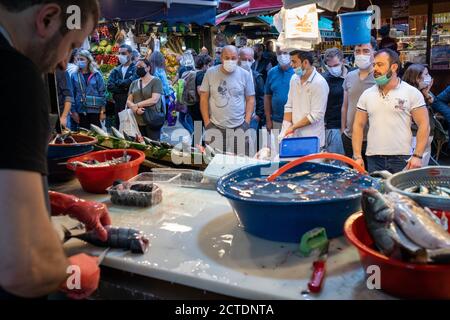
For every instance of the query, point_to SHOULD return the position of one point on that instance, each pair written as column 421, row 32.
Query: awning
column 173, row 12
column 330, row 5
column 250, row 6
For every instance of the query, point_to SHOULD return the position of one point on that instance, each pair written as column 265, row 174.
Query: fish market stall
column 195, row 241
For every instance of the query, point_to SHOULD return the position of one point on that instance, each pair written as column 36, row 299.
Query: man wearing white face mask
column 277, row 89
column 355, row 83
column 246, row 59
column 227, row 102
column 335, row 74
column 120, row 80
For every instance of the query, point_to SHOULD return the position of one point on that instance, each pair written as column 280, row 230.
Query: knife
column 102, row 256
column 319, row 269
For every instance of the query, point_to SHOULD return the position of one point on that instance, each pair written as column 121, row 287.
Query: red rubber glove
column 93, row 215
column 89, row 277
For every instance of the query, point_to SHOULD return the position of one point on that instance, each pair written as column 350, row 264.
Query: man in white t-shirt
column 389, row 108
column 305, row 109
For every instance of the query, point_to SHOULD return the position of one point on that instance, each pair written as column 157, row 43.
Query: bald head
column 246, row 52
column 230, row 50
column 229, row 53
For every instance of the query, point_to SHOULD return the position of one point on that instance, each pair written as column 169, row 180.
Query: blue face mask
column 82, row 64
column 299, row 71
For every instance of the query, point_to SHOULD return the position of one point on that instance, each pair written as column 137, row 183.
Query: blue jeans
column 333, row 141
column 393, row 164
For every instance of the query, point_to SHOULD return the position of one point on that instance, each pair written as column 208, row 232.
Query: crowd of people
column 376, row 113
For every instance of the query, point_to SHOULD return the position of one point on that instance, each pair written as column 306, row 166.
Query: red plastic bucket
column 405, row 280
column 97, row 180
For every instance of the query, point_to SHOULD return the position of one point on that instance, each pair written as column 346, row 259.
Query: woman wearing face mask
column 89, row 92
column 335, row 74
column 417, row 75
column 145, row 93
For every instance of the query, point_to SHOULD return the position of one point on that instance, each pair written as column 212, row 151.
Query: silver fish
column 414, row 189
column 116, row 133
column 416, row 223
column 424, row 190
column 99, row 131
column 379, row 216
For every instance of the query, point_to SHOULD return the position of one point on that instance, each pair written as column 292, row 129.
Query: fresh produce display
column 171, row 62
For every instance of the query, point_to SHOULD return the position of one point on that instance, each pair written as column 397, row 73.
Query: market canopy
column 249, row 7
column 330, row 5
column 200, row 12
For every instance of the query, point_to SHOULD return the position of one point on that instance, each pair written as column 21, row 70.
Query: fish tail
column 67, row 234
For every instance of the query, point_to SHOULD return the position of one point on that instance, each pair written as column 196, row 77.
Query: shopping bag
column 128, row 123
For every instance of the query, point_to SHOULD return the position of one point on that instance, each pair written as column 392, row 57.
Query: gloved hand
column 284, row 131
column 93, row 215
column 89, row 277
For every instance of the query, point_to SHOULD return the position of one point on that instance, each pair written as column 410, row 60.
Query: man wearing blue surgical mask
column 355, row 83
column 389, row 108
column 335, row 73
column 304, row 112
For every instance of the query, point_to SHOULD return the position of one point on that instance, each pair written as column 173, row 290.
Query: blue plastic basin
column 288, row 221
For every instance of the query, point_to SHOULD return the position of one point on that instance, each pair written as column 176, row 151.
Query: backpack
column 189, row 96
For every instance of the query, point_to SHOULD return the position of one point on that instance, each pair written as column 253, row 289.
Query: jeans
column 348, row 148
column 237, row 141
column 393, row 164
column 333, row 141
column 154, row 135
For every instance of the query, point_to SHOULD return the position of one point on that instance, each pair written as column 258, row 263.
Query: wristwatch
column 356, row 157
column 415, row 155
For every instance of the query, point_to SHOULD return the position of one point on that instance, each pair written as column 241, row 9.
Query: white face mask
column 427, row 80
column 123, row 59
column 284, row 59
column 335, row 71
column 362, row 61
column 247, row 65
column 230, row 65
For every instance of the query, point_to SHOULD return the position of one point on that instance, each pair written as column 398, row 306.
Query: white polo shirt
column 309, row 100
column 390, row 118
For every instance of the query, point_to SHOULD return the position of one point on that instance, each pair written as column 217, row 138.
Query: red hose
column 332, row 156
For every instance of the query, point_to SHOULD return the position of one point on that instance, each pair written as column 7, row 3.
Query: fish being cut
column 121, row 238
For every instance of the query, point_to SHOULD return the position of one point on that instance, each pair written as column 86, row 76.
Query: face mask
column 230, row 65
column 141, row 72
column 384, row 79
column 335, row 71
column 82, row 64
column 284, row 59
column 299, row 71
column 362, row 61
column 247, row 65
column 427, row 80
column 123, row 59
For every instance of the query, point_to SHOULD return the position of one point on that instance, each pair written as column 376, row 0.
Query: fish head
column 376, row 207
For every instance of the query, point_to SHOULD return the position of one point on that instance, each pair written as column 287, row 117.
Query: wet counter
column 198, row 250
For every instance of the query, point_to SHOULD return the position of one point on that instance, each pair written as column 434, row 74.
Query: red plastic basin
column 97, row 180
column 404, row 280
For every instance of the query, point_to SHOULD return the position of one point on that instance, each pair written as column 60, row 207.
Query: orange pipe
column 332, row 156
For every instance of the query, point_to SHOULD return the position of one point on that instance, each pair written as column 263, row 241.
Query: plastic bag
column 128, row 123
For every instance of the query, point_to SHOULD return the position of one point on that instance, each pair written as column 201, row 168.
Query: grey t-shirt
column 227, row 94
column 154, row 86
column 355, row 87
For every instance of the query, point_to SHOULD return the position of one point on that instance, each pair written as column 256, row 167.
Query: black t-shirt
column 24, row 120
